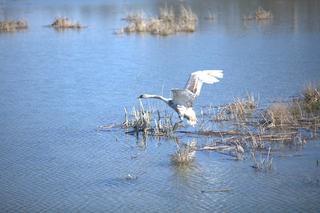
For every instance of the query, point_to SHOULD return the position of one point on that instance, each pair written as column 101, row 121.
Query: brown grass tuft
column 239, row 110
column 262, row 14
column 12, row 26
column 166, row 23
column 259, row 15
column 279, row 114
column 141, row 120
column 311, row 98
column 185, row 154
column 65, row 23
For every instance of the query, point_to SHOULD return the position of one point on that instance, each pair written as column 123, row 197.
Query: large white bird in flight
column 182, row 99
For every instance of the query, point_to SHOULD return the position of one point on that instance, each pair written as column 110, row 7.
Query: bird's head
column 141, row 96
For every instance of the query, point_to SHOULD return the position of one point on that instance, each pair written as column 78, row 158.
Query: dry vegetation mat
column 65, row 23
column 168, row 22
column 234, row 129
column 12, row 26
column 260, row 14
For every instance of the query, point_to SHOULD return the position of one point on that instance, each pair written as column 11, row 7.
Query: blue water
column 56, row 88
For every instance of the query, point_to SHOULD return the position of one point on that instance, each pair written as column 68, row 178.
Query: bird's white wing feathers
column 182, row 97
column 197, row 78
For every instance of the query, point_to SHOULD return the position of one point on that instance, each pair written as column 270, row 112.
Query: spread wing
column 197, row 78
column 183, row 97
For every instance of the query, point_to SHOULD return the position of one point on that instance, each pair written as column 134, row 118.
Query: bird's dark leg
column 178, row 124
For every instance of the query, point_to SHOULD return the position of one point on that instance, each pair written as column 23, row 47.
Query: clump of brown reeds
column 259, row 15
column 166, row 23
column 184, row 154
column 164, row 125
column 262, row 14
column 237, row 110
column 140, row 120
column 65, row 23
column 12, row 26
column 311, row 98
column 301, row 112
column 279, row 114
column 281, row 122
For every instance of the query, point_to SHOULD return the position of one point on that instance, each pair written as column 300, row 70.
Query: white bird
column 182, row 99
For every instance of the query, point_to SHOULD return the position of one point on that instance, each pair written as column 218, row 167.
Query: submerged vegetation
column 210, row 16
column 65, row 23
column 12, row 26
column 167, row 22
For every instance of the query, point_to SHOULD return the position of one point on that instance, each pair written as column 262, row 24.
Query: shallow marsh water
column 56, row 88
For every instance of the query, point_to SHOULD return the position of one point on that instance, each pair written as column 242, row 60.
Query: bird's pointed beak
column 139, row 97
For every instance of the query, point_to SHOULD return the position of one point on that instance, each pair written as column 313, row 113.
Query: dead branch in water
column 216, row 190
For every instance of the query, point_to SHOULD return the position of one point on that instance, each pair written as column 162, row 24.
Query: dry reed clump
column 303, row 112
column 65, row 23
column 12, row 26
column 184, row 154
column 281, row 122
column 259, row 15
column 311, row 98
column 262, row 14
column 240, row 109
column 166, row 23
column 279, row 114
column 164, row 127
column 264, row 164
column 140, row 120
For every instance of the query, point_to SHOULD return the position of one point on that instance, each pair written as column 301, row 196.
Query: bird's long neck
column 166, row 100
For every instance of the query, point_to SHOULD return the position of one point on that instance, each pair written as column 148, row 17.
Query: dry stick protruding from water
column 264, row 164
